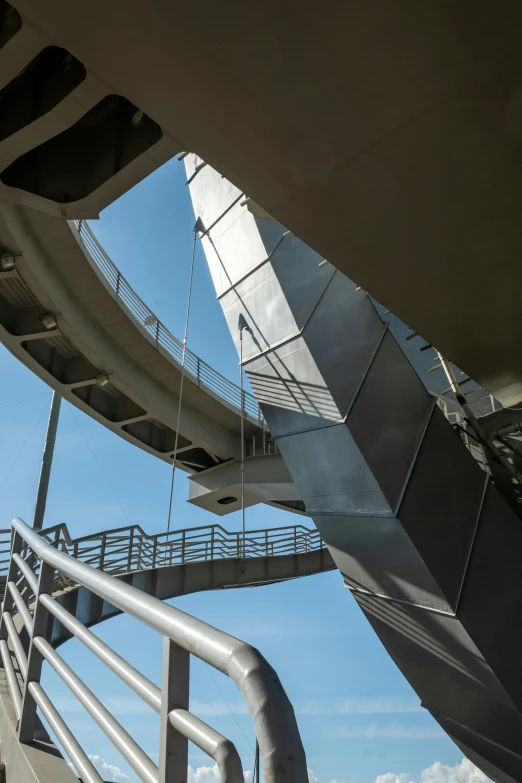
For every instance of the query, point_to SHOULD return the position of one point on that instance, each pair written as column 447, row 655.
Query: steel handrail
column 273, row 716
column 124, row 549
column 198, row 370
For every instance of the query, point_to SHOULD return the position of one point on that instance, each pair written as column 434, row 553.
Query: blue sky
column 358, row 717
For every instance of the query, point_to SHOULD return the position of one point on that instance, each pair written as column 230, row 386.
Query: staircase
column 57, row 586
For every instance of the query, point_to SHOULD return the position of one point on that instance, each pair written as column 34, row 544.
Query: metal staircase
column 47, row 571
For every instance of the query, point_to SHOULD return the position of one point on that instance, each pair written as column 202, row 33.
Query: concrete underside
column 387, row 135
column 96, row 334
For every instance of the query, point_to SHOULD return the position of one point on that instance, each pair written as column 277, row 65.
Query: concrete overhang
column 266, row 480
column 387, row 136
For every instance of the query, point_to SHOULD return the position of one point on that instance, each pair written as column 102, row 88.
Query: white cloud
column 209, row 775
column 374, row 706
column 108, row 771
column 464, row 772
column 391, row 731
column 313, row 778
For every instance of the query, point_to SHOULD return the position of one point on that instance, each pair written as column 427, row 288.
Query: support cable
column 197, row 228
column 242, row 326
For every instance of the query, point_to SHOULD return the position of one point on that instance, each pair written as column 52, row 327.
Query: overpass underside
column 425, row 541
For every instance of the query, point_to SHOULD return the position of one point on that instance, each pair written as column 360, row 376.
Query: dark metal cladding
column 426, row 543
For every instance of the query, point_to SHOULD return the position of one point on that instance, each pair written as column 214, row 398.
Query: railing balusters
column 200, row 371
column 16, row 548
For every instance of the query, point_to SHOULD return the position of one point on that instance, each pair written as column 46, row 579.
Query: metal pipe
column 256, row 764
column 274, row 719
column 130, row 750
column 47, row 462
column 28, row 574
column 12, row 681
column 140, row 684
column 70, row 744
column 16, row 644
column 183, row 359
column 222, row 750
column 21, row 606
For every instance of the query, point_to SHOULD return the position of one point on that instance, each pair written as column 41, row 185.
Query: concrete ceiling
column 385, row 133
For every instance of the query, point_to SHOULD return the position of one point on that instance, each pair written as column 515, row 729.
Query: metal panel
column 342, row 336
column 333, row 478
column 300, row 275
column 488, row 756
column 492, row 590
column 288, row 384
column 374, row 553
column 388, row 427
column 441, row 505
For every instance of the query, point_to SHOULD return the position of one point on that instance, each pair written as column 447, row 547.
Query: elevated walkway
column 167, row 565
column 70, row 316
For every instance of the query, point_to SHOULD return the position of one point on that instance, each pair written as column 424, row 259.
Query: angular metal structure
column 425, row 542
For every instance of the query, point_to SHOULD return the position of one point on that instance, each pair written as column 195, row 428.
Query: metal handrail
column 201, row 373
column 124, row 549
column 273, row 716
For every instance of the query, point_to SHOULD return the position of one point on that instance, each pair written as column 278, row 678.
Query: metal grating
column 16, row 292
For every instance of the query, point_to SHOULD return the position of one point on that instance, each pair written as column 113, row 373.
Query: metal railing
column 33, row 567
column 199, row 372
column 467, row 436
column 126, row 549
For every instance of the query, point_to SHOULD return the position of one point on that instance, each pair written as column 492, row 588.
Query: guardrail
column 33, row 567
column 126, row 549
column 201, row 373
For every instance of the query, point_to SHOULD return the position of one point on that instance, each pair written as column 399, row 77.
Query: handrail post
column 102, row 552
column 140, row 551
column 154, row 551
column 212, row 537
column 131, row 544
column 198, row 367
column 42, row 626
column 182, row 548
column 295, row 540
column 173, row 755
column 118, row 278
column 266, row 543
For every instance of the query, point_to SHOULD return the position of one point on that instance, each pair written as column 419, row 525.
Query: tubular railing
column 201, row 373
column 33, row 567
column 125, row 549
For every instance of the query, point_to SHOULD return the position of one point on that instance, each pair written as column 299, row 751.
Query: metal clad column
column 419, row 537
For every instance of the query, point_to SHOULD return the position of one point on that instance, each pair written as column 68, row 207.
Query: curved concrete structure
column 94, row 336
column 423, row 536
column 386, row 135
